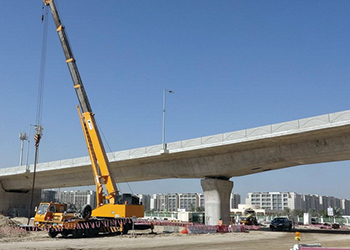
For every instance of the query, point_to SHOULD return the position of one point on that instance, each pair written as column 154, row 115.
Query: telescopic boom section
column 99, row 160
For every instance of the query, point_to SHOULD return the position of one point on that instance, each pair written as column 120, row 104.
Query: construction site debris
column 6, row 222
column 9, row 229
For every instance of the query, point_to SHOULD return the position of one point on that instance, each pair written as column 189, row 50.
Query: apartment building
column 164, row 202
column 78, row 198
column 188, row 201
column 234, row 201
column 184, row 201
column 201, row 200
column 278, row 201
column 145, row 200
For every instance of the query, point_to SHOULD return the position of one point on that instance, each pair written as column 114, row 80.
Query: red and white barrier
column 322, row 248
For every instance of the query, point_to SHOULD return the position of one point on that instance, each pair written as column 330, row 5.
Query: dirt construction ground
column 13, row 238
column 253, row 240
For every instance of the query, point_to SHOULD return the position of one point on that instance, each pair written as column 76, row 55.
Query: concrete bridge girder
column 231, row 163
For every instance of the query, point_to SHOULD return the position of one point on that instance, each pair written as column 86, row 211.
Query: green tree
column 297, row 212
column 287, row 211
column 337, row 212
column 323, row 213
column 200, row 209
column 192, row 208
column 313, row 212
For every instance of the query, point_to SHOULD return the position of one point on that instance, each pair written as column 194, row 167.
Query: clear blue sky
column 233, row 65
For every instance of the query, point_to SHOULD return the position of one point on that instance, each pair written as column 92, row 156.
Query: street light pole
column 163, row 136
column 23, row 137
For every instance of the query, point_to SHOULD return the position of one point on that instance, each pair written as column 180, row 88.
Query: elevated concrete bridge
column 214, row 159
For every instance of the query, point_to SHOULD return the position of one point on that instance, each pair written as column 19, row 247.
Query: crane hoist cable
column 38, row 126
column 42, row 67
column 115, row 159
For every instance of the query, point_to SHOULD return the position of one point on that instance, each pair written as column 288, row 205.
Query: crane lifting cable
column 42, row 67
column 38, row 126
column 115, row 158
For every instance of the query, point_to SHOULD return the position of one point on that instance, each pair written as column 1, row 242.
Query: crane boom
column 73, row 69
column 97, row 153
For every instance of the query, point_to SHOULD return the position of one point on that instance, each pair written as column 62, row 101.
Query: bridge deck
column 311, row 140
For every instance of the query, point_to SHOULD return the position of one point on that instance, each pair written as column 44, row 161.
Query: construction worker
column 152, row 227
column 220, row 222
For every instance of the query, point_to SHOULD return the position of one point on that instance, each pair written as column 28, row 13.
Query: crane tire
column 86, row 211
column 52, row 232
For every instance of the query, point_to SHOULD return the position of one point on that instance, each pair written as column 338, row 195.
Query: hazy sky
column 233, row 65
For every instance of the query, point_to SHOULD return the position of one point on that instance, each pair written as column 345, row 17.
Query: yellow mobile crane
column 113, row 211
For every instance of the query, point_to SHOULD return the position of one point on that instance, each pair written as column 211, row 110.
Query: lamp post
column 23, row 137
column 163, row 137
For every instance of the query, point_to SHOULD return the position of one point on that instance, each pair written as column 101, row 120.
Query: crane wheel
column 65, row 233
column 90, row 232
column 52, row 232
column 126, row 228
column 78, row 233
column 86, row 211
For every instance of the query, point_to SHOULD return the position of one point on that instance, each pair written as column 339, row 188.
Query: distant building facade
column 235, row 199
column 48, row 195
column 145, row 200
column 201, row 200
column 173, row 202
column 278, row 201
column 78, row 198
column 188, row 201
column 164, row 202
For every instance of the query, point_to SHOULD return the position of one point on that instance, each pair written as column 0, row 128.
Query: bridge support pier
column 217, row 193
column 16, row 204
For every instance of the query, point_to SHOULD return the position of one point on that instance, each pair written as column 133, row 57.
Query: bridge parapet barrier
column 322, row 121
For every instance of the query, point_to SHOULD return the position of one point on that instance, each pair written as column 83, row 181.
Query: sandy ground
column 253, row 240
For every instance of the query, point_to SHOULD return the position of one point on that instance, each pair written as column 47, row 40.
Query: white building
column 201, row 200
column 145, row 200
column 184, row 201
column 188, row 201
column 172, row 202
column 78, row 198
column 278, row 201
column 242, row 208
column 234, row 201
column 275, row 201
column 164, row 202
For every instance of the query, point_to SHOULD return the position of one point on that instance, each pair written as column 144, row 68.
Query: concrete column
column 17, row 204
column 217, row 193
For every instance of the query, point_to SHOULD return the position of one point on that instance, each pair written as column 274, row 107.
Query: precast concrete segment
column 217, row 194
column 318, row 139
